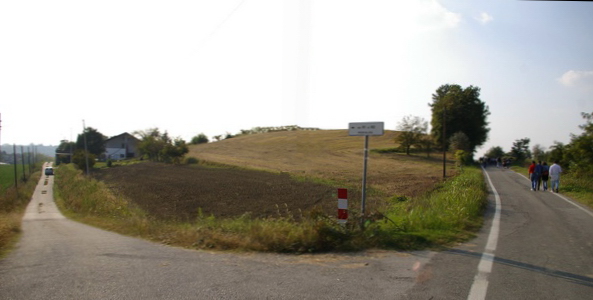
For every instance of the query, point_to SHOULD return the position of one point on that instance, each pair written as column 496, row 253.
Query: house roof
column 125, row 133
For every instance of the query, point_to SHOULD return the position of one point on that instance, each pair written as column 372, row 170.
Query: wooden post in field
column 15, row 166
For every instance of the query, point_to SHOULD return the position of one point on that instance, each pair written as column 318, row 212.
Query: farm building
column 121, row 147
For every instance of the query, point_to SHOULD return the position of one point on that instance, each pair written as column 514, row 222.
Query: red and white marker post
column 342, row 206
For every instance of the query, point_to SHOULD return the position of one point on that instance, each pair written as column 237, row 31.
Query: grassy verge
column 7, row 175
column 446, row 215
column 451, row 212
column 13, row 202
column 577, row 187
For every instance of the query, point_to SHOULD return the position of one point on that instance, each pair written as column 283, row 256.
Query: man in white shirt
column 555, row 171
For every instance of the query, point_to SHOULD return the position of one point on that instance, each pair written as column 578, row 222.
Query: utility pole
column 15, row 166
column 86, row 152
column 444, row 142
column 23, row 164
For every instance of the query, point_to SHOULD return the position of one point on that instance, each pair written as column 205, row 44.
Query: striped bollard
column 342, row 206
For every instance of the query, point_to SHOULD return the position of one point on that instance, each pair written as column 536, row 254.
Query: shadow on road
column 575, row 278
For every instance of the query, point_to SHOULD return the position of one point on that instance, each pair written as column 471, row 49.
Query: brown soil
column 179, row 192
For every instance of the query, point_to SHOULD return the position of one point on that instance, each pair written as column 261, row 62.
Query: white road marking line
column 576, row 205
column 480, row 284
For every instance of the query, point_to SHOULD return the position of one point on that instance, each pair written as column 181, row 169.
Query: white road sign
column 365, row 128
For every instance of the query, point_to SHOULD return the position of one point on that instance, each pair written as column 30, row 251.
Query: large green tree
column 459, row 110
column 95, row 141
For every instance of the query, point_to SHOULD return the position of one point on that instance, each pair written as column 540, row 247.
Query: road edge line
column 479, row 287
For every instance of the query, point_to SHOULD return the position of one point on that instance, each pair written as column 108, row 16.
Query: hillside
column 331, row 155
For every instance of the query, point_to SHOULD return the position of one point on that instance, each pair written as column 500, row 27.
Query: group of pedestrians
column 540, row 173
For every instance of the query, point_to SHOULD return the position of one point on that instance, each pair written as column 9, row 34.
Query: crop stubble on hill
column 329, row 154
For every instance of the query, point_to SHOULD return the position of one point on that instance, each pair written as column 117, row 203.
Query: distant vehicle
column 49, row 171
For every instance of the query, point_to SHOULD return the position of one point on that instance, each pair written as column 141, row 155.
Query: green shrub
column 191, row 161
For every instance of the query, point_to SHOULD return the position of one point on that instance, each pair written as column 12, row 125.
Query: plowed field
column 179, row 192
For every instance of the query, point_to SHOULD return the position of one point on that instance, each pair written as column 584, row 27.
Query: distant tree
column 152, row 142
column 412, row 129
column 199, row 139
column 556, row 152
column 520, row 150
column 95, row 141
column 228, row 136
column 579, row 153
column 426, row 143
column 495, row 152
column 175, row 151
column 538, row 152
column 160, row 147
column 65, row 147
column 459, row 109
column 217, row 137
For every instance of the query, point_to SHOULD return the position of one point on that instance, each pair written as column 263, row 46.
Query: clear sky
column 218, row 66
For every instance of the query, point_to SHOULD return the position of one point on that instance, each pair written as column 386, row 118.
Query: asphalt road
column 534, row 245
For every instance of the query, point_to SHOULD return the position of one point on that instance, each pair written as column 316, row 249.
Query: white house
column 121, row 147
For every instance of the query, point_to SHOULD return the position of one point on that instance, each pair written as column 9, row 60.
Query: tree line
column 459, row 125
column 154, row 146
column 576, row 156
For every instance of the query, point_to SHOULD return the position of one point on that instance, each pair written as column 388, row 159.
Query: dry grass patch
column 330, row 155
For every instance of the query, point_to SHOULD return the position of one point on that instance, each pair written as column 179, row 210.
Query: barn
column 121, row 146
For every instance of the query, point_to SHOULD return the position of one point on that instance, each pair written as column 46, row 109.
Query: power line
column 215, row 30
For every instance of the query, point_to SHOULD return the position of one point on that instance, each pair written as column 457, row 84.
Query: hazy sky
column 218, row 66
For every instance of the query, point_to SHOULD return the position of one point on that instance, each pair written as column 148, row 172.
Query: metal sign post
column 365, row 129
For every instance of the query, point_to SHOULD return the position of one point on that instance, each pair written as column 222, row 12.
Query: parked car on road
column 49, row 171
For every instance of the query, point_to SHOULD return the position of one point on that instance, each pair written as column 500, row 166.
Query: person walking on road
column 538, row 174
column 555, row 171
column 545, row 175
column 531, row 172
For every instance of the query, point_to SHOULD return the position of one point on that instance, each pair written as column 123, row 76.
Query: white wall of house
column 121, row 147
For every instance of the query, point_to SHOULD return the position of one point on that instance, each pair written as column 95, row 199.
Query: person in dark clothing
column 538, row 173
column 545, row 175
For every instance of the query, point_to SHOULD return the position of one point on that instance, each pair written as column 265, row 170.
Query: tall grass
column 445, row 215
column 13, row 201
column 81, row 197
column 450, row 211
